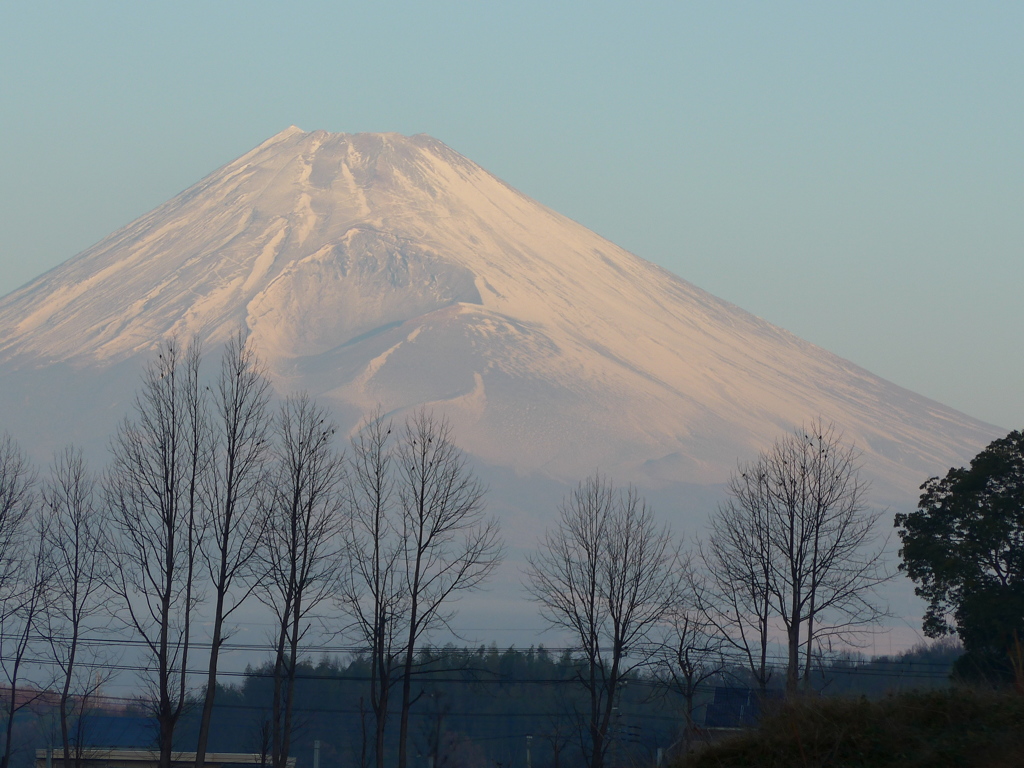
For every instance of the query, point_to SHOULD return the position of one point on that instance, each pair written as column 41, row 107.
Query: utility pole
column 529, row 762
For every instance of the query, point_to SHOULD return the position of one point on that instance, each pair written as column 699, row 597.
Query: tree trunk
column 410, row 651
column 286, row 736
column 65, row 694
column 403, row 728
column 275, row 713
column 596, row 742
column 793, row 660
column 807, row 659
column 166, row 740
column 164, row 719
column 380, row 711
column 10, row 719
column 211, row 682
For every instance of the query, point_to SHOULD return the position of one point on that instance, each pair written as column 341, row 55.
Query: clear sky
column 853, row 172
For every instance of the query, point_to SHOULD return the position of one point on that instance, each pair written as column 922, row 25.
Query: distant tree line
column 477, row 706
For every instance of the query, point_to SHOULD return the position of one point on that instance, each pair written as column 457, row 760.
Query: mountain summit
column 383, row 269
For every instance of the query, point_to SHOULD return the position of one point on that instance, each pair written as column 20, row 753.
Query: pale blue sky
column 853, row 172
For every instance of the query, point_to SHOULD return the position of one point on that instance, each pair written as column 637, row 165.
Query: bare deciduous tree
column 234, row 484
column 21, row 625
column 371, row 588
column 153, row 493
column 299, row 548
column 448, row 546
column 75, row 540
column 693, row 652
column 737, row 598
column 797, row 529
column 17, row 502
column 415, row 537
column 609, row 575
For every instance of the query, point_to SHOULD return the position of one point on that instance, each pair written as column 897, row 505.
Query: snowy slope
column 376, row 268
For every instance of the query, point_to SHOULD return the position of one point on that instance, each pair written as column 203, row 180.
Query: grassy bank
column 952, row 727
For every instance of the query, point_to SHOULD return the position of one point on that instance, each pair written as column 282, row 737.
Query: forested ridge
column 475, row 706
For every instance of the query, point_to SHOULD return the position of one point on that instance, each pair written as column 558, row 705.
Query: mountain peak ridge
column 381, row 269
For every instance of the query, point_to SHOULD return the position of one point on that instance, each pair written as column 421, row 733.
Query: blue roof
column 119, row 731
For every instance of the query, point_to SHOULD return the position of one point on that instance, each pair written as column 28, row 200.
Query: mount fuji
column 379, row 269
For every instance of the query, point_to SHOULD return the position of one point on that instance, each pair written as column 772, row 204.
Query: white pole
column 316, row 753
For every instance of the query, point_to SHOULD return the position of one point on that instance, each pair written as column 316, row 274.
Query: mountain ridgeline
column 379, row 269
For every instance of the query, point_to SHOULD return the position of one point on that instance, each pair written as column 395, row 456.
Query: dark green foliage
column 964, row 547
column 953, row 727
column 926, row 666
column 473, row 706
column 477, row 707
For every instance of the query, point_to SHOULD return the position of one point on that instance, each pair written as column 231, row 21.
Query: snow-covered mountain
column 378, row 268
